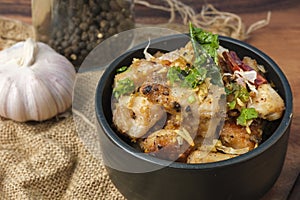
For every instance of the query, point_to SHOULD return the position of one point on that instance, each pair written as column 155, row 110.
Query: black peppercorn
column 76, row 27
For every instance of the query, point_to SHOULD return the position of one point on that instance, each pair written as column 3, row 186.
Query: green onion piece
column 191, row 99
column 125, row 86
column 239, row 92
column 122, row 69
column 243, row 94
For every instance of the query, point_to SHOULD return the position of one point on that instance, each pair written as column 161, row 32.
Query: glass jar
column 74, row 27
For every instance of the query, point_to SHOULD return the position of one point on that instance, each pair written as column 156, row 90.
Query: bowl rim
column 273, row 139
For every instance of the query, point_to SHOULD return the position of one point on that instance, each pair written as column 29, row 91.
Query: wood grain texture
column 280, row 40
column 295, row 192
column 17, row 9
column 237, row 6
column 22, row 7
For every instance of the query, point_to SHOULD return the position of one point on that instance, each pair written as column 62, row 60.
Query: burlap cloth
column 48, row 161
column 12, row 31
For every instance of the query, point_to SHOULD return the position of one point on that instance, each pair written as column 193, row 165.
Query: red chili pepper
column 236, row 64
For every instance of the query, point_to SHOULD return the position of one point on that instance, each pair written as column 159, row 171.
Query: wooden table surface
column 280, row 40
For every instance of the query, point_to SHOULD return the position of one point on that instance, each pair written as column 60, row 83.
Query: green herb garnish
column 174, row 75
column 239, row 92
column 195, row 77
column 122, row 69
column 246, row 115
column 189, row 77
column 191, row 99
column 125, row 86
column 205, row 45
column 208, row 41
column 232, row 104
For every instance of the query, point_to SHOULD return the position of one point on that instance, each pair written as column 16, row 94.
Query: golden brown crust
column 237, row 137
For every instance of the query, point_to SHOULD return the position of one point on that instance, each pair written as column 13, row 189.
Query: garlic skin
column 36, row 83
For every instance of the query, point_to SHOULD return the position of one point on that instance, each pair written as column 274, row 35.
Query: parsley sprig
column 246, row 115
column 188, row 77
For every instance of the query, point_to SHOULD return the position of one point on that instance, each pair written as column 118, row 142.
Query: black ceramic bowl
column 142, row 177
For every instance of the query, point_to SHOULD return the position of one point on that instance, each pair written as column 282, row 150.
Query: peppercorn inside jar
column 74, row 27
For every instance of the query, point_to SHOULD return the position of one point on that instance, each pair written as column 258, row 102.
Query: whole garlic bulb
column 36, row 83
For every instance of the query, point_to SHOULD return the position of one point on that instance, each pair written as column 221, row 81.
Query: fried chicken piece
column 237, row 137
